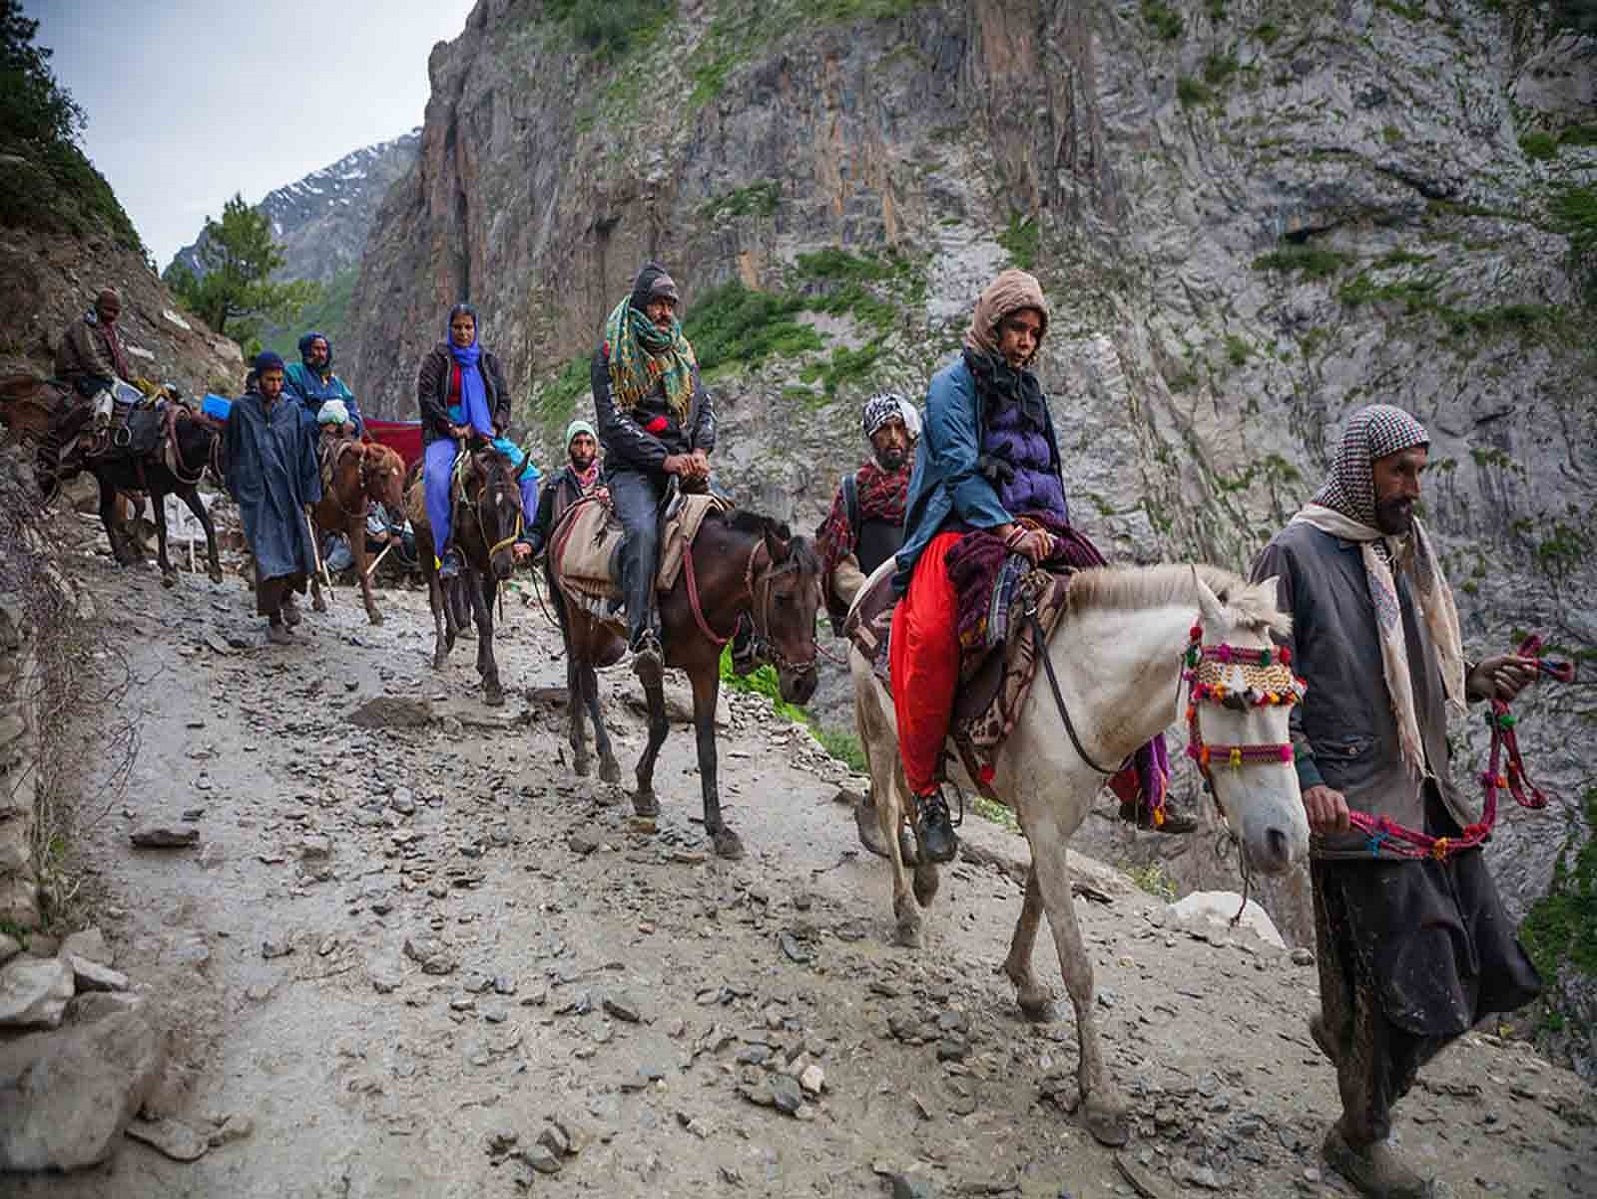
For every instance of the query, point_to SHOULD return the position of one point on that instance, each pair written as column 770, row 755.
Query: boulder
column 1217, row 908
column 91, row 976
column 89, row 943
column 71, row 1093
column 34, row 992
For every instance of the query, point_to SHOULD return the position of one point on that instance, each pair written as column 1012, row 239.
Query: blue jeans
column 438, row 462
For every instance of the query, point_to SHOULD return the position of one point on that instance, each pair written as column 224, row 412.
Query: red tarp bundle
column 401, row 435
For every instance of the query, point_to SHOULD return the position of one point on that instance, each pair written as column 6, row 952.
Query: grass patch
column 757, row 199
column 1192, row 92
column 845, row 367
column 1237, row 351
column 1539, row 145
column 1416, row 295
column 1165, row 22
column 1267, row 33
column 1561, row 929
column 1294, row 258
column 612, row 29
column 733, row 326
column 845, row 747
column 995, row 813
column 1153, row 879
column 1218, row 69
column 1020, row 241
column 709, row 80
column 555, row 403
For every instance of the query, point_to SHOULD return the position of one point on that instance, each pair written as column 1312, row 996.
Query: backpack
column 851, row 502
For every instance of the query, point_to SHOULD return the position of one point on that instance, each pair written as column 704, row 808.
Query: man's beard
column 891, row 460
column 581, row 465
column 1394, row 517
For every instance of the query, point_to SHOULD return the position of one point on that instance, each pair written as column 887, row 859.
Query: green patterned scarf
column 643, row 356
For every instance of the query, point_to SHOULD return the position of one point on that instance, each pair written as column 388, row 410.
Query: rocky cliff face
column 322, row 220
column 1251, row 218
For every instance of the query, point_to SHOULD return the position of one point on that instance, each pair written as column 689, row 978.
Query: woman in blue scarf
column 463, row 395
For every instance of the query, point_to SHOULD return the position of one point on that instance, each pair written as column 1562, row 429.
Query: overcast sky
column 190, row 101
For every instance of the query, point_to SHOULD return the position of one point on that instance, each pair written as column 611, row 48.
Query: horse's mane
column 387, row 454
column 1123, row 588
column 801, row 553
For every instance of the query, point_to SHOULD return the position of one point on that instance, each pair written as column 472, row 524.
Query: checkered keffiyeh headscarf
column 1345, row 507
column 1371, row 433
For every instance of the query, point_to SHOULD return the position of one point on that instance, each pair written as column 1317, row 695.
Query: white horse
column 1119, row 655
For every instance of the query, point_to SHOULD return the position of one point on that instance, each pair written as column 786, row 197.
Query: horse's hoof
column 644, row 803
column 1037, row 1008
column 438, row 660
column 494, row 697
column 926, row 880
column 869, row 828
column 1107, row 1120
column 318, row 604
column 910, row 933
column 727, row 844
column 216, row 575
column 609, row 770
column 169, row 579
column 374, row 616
column 581, row 766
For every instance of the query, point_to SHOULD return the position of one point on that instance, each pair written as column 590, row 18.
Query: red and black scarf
column 883, row 496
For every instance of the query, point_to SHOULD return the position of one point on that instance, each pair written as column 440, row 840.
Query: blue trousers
column 438, row 463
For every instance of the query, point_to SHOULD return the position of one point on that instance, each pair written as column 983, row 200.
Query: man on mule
column 655, row 421
column 865, row 526
column 463, row 395
column 90, row 356
column 269, row 457
column 1413, row 950
column 312, row 383
column 579, row 478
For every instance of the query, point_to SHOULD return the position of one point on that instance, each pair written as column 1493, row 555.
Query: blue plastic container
column 217, row 406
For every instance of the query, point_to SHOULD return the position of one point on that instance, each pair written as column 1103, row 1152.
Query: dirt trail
column 394, row 946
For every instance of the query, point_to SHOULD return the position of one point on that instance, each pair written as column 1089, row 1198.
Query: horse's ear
column 777, row 540
column 1214, row 613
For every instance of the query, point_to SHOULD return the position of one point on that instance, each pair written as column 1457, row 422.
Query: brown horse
column 738, row 564
column 487, row 521
column 363, row 472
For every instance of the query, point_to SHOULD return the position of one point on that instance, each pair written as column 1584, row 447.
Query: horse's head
column 495, row 500
column 787, row 595
column 1242, row 689
column 383, row 476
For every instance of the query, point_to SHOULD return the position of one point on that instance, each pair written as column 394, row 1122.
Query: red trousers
column 923, row 661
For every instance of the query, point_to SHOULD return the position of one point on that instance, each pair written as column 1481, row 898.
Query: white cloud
column 190, row 101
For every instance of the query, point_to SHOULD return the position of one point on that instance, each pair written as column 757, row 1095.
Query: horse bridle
column 476, row 505
column 1272, row 685
column 759, row 584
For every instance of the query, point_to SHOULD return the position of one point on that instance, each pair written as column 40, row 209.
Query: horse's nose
column 1277, row 851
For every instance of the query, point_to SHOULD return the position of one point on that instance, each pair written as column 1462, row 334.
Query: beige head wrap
column 1010, row 292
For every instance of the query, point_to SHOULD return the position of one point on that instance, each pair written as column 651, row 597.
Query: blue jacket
column 946, row 486
column 304, row 385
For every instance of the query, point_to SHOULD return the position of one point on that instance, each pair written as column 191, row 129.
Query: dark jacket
column 269, row 460
column 627, row 444
column 947, row 484
column 1344, row 731
column 432, row 392
column 552, row 504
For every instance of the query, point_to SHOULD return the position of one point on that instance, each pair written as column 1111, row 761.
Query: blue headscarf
column 473, row 395
column 305, row 349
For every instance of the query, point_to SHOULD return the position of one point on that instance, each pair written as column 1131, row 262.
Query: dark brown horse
column 363, row 472
column 738, row 564
column 487, row 521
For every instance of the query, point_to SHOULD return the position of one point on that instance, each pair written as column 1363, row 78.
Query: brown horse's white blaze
column 1119, row 658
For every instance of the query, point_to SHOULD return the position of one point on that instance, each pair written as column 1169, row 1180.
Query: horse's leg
column 493, row 693
column 1034, row 997
column 108, row 519
column 609, row 768
column 706, row 688
column 191, row 499
column 1103, row 1109
column 644, row 802
column 880, row 742
column 168, row 575
column 357, row 545
column 574, row 704
column 443, row 636
column 318, row 604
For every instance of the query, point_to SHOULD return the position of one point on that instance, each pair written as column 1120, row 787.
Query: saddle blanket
column 995, row 678
column 135, row 432
column 585, row 545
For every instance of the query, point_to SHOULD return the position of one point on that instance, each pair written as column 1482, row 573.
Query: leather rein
column 758, row 582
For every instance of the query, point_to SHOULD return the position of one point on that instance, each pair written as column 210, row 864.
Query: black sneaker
column 1175, row 820
column 934, row 830
column 648, row 662
column 745, row 657
column 449, row 565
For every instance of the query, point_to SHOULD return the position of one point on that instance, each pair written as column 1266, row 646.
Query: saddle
column 331, row 447
column 996, row 669
column 585, row 548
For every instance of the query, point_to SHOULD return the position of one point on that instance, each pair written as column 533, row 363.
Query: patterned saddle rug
column 996, row 670
column 585, row 548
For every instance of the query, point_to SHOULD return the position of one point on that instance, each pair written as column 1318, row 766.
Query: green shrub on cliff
column 49, row 184
column 612, row 28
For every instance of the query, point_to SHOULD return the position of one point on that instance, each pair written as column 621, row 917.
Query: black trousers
column 636, row 498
